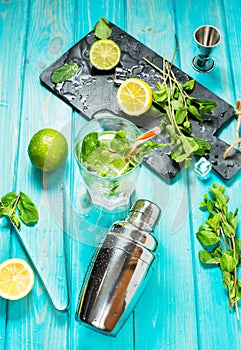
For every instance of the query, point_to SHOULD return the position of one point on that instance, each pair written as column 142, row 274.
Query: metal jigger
column 207, row 38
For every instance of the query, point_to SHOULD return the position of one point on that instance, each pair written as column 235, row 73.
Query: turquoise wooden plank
column 43, row 326
column 152, row 22
column 11, row 59
column 46, row 250
column 231, row 15
column 211, row 298
column 197, row 14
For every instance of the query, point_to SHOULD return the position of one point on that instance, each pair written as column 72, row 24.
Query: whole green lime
column 48, row 150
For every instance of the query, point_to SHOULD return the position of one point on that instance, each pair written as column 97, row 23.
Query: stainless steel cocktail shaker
column 119, row 270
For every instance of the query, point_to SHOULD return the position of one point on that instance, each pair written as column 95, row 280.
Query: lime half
column 104, row 54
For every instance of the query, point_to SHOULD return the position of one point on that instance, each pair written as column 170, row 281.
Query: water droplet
column 69, row 96
column 150, row 160
column 110, row 79
column 202, row 128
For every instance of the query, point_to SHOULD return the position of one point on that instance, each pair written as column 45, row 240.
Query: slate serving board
column 93, row 94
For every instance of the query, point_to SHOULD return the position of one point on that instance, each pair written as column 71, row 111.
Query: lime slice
column 134, row 96
column 104, row 54
column 16, row 279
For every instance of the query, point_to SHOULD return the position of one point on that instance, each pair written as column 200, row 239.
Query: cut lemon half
column 134, row 96
column 104, row 54
column 16, row 279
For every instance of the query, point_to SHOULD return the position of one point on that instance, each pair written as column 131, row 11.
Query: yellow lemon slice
column 104, row 54
column 134, row 96
column 16, row 279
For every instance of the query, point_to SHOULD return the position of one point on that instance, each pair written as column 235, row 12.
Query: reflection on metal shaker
column 119, row 270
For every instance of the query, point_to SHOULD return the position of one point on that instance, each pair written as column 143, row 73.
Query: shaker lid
column 146, row 213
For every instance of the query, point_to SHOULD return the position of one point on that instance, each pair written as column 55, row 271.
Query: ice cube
column 203, row 167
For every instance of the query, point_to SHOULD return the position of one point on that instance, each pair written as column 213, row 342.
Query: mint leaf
column 5, row 211
column 227, row 262
column 205, row 106
column 203, row 146
column 189, row 85
column 207, row 236
column 15, row 220
column 181, row 114
column 9, row 199
column 89, row 144
column 27, row 209
column 65, row 72
column 207, row 258
column 161, row 94
column 102, row 29
column 194, row 111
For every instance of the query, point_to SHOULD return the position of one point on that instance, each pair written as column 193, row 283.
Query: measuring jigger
column 207, row 38
column 119, row 270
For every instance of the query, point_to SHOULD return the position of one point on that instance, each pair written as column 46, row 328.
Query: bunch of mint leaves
column 18, row 207
column 218, row 237
column 172, row 100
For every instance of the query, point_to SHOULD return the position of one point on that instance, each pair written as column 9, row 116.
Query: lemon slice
column 104, row 54
column 16, row 279
column 134, row 96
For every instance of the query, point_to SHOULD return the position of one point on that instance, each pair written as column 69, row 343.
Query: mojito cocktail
column 103, row 152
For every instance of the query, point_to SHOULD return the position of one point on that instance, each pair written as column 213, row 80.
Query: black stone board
column 93, row 94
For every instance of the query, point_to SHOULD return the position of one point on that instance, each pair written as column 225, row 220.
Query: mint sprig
column 18, row 207
column 178, row 109
column 218, row 237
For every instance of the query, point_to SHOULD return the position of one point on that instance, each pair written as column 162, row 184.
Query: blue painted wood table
column 184, row 305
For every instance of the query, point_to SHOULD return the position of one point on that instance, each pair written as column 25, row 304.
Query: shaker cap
column 144, row 214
